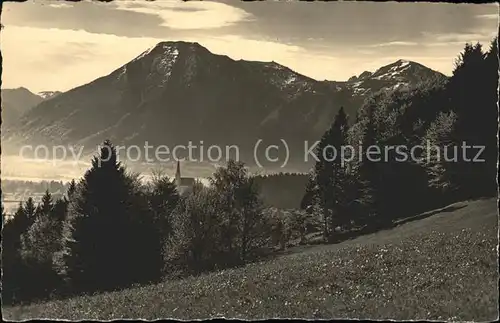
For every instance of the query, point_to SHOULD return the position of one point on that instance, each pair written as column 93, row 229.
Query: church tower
column 178, row 174
column 184, row 184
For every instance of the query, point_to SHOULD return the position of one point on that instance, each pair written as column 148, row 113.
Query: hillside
column 441, row 265
column 178, row 92
column 16, row 102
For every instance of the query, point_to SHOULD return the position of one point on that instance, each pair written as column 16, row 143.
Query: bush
column 218, row 226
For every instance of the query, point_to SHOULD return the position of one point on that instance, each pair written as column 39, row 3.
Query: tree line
column 14, row 186
column 111, row 230
column 364, row 193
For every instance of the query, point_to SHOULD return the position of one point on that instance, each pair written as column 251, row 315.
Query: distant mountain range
column 178, row 92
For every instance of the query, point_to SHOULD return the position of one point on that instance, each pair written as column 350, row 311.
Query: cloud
column 394, row 43
column 60, row 59
column 488, row 16
column 188, row 15
column 238, row 47
column 485, row 35
column 60, row 5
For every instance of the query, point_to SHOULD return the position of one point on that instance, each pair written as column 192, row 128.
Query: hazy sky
column 57, row 45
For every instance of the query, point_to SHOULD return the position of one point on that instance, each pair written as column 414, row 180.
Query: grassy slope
column 440, row 266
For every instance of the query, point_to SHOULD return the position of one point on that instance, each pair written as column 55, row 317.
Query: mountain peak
column 402, row 61
column 21, row 89
column 180, row 43
column 401, row 69
column 172, row 46
column 396, row 75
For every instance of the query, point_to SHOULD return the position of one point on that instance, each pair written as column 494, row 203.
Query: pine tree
column 490, row 120
column 340, row 176
column 30, row 210
column 473, row 90
column 442, row 169
column 47, row 204
column 108, row 231
column 60, row 209
column 15, row 279
column 330, row 176
column 367, row 173
column 308, row 198
column 71, row 189
column 323, row 177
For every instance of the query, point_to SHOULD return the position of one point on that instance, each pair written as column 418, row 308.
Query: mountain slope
column 397, row 75
column 16, row 102
column 178, row 92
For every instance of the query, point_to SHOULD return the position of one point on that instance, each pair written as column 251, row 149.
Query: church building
column 184, row 184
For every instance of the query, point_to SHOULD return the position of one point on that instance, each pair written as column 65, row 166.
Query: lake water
column 18, row 168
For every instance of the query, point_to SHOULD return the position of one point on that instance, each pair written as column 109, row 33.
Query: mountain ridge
column 176, row 92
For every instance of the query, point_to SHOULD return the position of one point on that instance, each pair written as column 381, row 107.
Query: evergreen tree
column 308, row 198
column 340, row 176
column 106, row 238
column 47, row 204
column 71, row 189
column 439, row 161
column 367, row 173
column 30, row 210
column 329, row 176
column 490, row 120
column 473, row 90
column 323, row 177
column 15, row 278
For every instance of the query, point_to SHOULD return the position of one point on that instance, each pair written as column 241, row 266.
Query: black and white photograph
column 250, row 160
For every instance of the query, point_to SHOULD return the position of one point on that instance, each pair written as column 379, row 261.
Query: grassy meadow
column 441, row 265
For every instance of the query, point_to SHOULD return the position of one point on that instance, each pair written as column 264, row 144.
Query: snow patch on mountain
column 164, row 62
column 395, row 76
column 48, row 94
column 391, row 71
column 290, row 79
column 145, row 53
